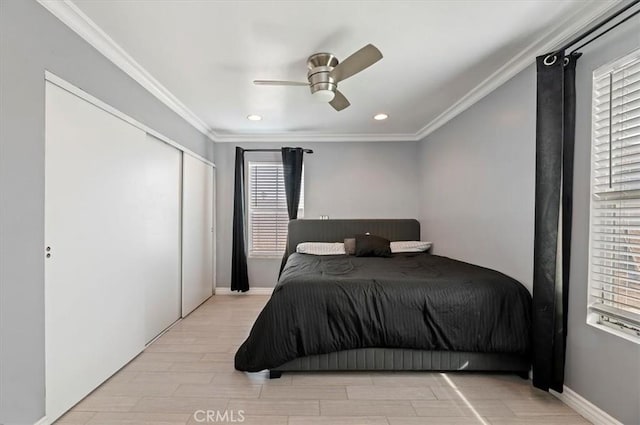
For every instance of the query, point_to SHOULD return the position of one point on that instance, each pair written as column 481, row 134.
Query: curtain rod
column 605, row 31
column 598, row 26
column 278, row 150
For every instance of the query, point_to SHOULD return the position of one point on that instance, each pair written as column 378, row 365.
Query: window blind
column 267, row 201
column 614, row 282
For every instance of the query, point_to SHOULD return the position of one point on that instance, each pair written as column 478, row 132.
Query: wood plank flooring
column 190, row 368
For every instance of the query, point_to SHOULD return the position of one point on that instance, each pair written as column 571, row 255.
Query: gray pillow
column 372, row 246
column 350, row 246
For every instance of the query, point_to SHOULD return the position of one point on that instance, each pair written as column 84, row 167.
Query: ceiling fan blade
column 339, row 102
column 278, row 83
column 360, row 60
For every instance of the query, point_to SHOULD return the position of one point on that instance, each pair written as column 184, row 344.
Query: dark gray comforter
column 330, row 303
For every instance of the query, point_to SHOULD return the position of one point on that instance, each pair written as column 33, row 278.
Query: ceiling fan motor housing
column 320, row 65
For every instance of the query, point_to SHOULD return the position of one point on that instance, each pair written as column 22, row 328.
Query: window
column 614, row 274
column 268, row 217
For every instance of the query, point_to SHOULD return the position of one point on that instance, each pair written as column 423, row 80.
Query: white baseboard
column 255, row 290
column 42, row 421
column 585, row 408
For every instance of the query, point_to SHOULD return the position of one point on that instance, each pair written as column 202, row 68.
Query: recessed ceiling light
column 254, row 117
column 380, row 117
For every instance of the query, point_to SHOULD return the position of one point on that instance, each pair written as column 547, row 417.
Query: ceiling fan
column 325, row 72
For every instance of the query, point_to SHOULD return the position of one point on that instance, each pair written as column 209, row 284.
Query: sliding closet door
column 197, row 233
column 163, row 224
column 107, row 186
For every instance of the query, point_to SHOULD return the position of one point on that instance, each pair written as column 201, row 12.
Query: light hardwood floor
column 190, row 368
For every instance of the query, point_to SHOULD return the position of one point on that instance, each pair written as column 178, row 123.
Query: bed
column 412, row 311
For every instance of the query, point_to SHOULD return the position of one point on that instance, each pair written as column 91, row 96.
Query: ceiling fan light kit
column 325, row 72
column 323, row 95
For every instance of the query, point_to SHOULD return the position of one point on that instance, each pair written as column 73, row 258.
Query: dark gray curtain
column 239, row 274
column 555, row 137
column 292, row 169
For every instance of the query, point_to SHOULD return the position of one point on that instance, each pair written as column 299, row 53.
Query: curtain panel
column 292, row 159
column 555, row 138
column 239, row 272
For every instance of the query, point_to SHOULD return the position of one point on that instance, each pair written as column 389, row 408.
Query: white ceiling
column 206, row 53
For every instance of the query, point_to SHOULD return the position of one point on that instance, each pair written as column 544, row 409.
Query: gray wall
column 342, row 180
column 32, row 41
column 477, row 204
column 477, row 177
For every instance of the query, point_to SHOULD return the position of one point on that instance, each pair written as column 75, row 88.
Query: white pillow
column 409, row 246
column 321, row 248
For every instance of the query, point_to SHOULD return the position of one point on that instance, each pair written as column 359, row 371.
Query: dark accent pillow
column 372, row 246
column 350, row 246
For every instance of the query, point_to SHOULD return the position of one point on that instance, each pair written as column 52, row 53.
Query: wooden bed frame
column 380, row 358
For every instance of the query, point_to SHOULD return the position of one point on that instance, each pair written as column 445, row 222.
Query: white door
column 164, row 287
column 197, row 233
column 103, row 190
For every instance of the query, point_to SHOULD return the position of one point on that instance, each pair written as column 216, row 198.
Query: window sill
column 592, row 320
column 265, row 256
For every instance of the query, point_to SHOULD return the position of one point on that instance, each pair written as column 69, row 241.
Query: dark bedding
column 323, row 304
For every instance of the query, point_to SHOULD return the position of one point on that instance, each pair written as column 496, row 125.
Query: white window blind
column 614, row 278
column 267, row 201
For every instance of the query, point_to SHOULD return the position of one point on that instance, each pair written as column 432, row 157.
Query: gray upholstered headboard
column 338, row 230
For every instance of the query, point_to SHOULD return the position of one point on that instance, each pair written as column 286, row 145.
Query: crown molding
column 558, row 35
column 313, row 137
column 67, row 12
